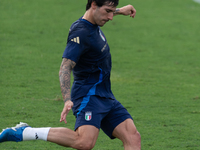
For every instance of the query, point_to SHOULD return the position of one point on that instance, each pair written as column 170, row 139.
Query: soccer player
column 87, row 54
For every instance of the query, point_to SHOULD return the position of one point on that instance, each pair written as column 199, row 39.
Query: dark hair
column 101, row 3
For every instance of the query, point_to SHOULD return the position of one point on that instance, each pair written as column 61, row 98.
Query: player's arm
column 126, row 10
column 65, row 75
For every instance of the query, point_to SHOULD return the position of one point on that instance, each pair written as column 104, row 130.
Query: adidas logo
column 76, row 40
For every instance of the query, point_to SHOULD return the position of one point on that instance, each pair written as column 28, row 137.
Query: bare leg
column 128, row 134
column 83, row 139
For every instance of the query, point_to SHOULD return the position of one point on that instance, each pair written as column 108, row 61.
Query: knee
column 137, row 135
column 133, row 137
column 85, row 145
column 88, row 145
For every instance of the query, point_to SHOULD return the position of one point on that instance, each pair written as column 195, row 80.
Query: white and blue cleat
column 13, row 133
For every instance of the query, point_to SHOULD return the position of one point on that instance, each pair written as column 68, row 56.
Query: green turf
column 155, row 69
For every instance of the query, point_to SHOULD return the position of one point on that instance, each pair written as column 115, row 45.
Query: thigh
column 116, row 116
column 124, row 129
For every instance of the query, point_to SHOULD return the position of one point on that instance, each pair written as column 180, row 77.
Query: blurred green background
column 155, row 73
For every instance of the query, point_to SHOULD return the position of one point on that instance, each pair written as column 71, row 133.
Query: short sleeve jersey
column 88, row 47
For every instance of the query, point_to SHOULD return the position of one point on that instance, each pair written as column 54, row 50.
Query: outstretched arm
column 64, row 75
column 126, row 10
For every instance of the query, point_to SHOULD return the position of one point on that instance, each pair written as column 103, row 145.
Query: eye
column 108, row 10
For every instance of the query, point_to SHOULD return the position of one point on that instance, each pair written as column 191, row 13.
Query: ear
column 94, row 5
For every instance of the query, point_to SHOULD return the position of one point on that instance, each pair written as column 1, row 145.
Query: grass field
column 156, row 71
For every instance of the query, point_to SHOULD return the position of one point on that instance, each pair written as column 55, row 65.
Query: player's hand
column 67, row 107
column 128, row 10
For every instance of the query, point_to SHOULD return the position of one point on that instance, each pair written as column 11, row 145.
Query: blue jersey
column 88, row 47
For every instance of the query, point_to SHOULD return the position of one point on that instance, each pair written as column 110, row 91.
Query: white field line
column 198, row 1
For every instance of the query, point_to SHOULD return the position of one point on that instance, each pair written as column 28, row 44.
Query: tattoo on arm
column 65, row 75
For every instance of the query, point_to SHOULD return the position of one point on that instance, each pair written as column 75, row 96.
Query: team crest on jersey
column 88, row 116
column 103, row 38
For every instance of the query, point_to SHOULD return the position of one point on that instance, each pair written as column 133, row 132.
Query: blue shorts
column 100, row 112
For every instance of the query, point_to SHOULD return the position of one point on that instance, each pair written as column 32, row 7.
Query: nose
column 110, row 16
